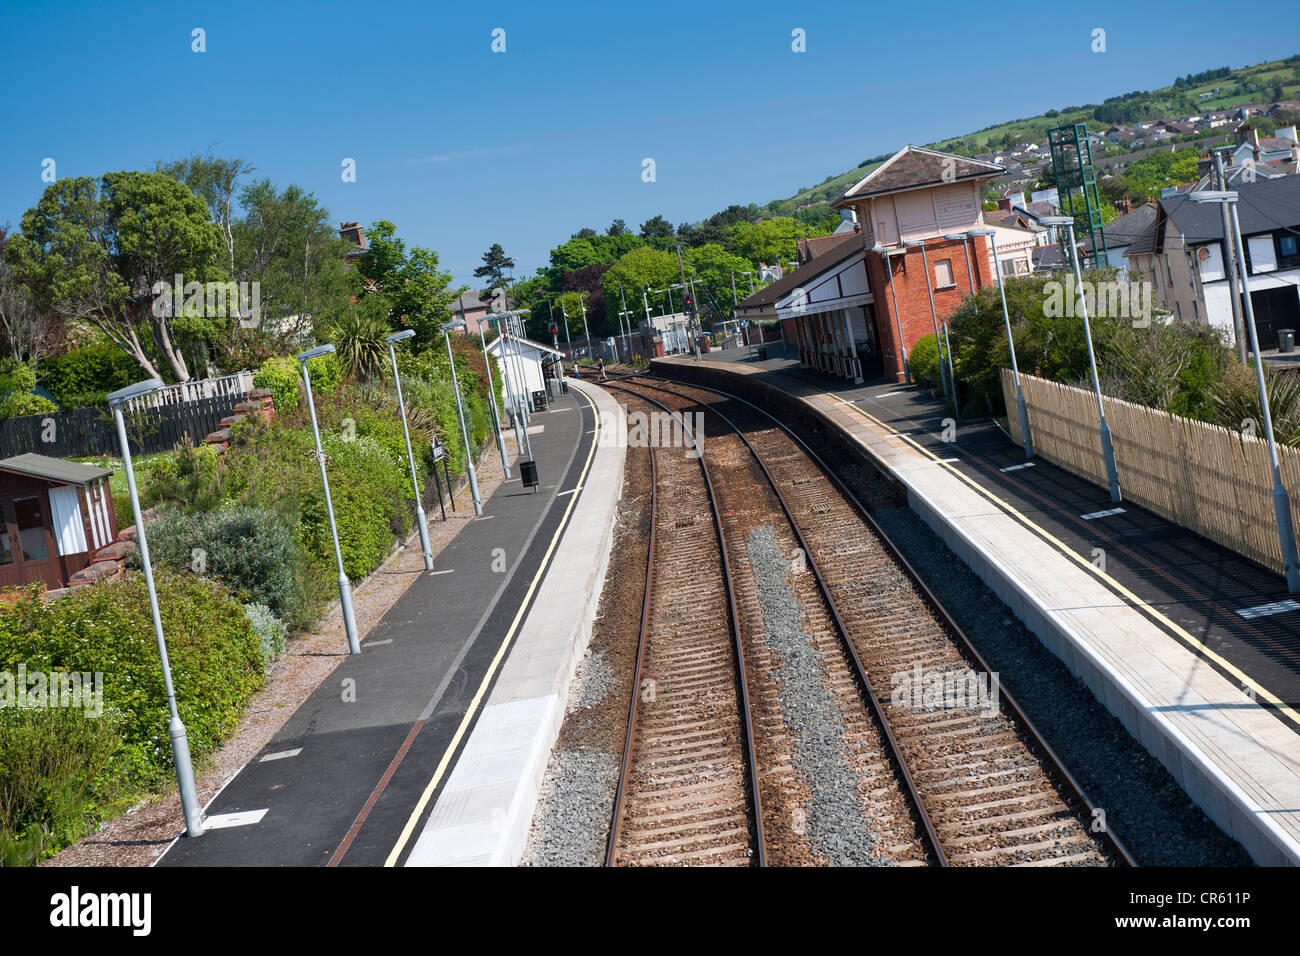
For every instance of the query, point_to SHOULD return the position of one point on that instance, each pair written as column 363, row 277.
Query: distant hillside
column 1248, row 84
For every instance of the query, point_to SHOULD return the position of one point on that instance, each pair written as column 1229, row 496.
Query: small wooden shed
column 54, row 516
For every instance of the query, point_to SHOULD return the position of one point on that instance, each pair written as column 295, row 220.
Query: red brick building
column 860, row 294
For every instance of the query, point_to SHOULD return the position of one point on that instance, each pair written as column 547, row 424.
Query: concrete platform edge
column 484, row 813
column 1220, row 798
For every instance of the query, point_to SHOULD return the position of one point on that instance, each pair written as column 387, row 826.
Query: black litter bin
column 1286, row 340
column 539, row 400
column 761, row 353
column 528, row 473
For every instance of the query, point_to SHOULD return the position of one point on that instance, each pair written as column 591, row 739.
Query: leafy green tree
column 213, row 180
column 411, row 281
column 712, row 267
column 771, row 241
column 657, row 227
column 640, row 269
column 94, row 249
column 617, row 228
column 285, row 241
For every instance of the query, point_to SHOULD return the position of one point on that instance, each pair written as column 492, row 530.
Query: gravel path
column 835, row 823
column 1144, row 804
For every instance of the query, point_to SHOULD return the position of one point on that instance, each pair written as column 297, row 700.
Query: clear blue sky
column 461, row 147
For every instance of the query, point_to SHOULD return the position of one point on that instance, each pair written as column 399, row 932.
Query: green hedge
column 923, row 362
column 252, row 551
column 283, row 376
column 215, row 658
column 56, row 764
column 84, row 376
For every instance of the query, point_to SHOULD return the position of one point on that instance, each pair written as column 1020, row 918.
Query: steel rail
column 760, row 846
column 1051, row 760
column 859, row 670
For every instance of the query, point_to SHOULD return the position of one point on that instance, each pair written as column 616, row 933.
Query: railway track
column 984, row 786
column 686, row 792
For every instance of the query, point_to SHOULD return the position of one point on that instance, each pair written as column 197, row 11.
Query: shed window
column 6, row 550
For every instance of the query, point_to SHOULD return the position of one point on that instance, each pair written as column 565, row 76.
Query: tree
column 711, row 267
column 411, row 281
column 213, row 181
column 643, row 268
column 617, row 228
column 495, row 265
column 95, row 250
column 586, row 232
column 771, row 241
column 285, row 242
column 28, row 332
column 657, row 228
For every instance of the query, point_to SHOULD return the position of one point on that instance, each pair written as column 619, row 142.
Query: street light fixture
column 898, row 319
column 1281, row 501
column 492, row 398
column 1021, row 410
column 420, row 521
column 175, row 728
column 345, row 587
column 925, row 267
column 460, row 411
column 1107, row 448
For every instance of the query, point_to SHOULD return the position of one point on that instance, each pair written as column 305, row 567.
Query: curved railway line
column 966, row 781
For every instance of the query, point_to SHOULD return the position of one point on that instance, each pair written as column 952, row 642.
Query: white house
column 522, row 363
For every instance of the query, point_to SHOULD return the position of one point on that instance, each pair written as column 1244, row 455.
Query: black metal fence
column 88, row 432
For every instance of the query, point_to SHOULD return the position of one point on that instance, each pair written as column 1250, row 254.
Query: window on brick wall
column 943, row 274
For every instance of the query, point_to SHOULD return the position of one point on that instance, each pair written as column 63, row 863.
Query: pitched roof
column 1264, row 206
column 467, row 302
column 915, row 168
column 828, row 258
column 495, row 345
column 54, row 469
column 1129, row 228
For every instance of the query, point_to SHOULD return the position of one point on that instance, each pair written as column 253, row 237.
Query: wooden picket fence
column 1211, row 480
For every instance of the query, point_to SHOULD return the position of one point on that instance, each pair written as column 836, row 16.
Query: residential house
column 1183, row 257
column 1121, row 233
column 473, row 310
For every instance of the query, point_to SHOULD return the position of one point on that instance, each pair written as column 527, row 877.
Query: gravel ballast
column 836, row 827
column 1144, row 805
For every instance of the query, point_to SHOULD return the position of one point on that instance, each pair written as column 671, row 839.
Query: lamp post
column 345, row 587
column 925, row 267
column 392, row 340
column 460, row 411
column 492, row 398
column 898, row 319
column 175, row 728
column 508, row 379
column 1021, row 411
column 1281, row 501
column 1107, row 448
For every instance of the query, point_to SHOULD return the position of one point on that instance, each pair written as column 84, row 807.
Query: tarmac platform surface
column 1195, row 648
column 347, row 782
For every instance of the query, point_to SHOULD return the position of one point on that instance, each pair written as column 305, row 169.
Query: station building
column 856, row 298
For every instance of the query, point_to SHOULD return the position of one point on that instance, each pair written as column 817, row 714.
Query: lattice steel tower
column 1071, row 170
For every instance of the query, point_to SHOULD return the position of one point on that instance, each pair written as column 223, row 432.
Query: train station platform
column 1195, row 649
column 352, row 776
